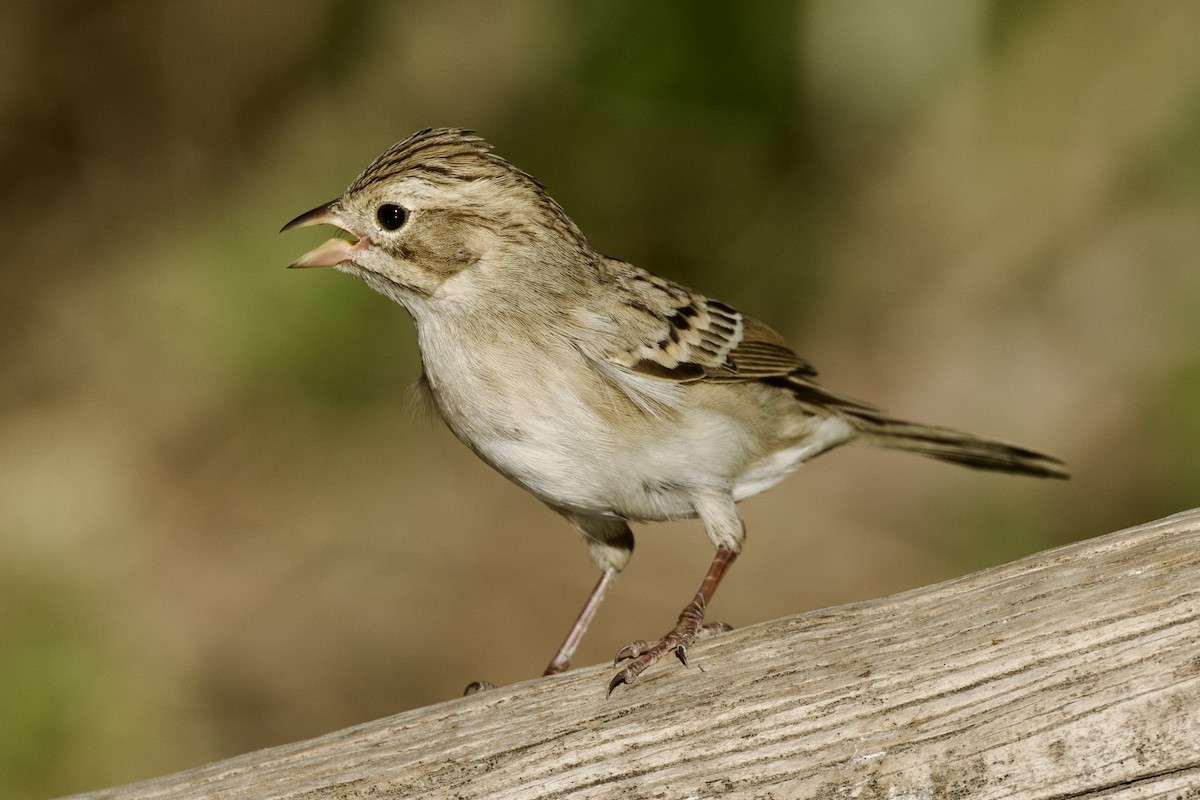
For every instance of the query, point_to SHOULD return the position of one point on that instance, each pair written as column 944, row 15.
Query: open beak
column 336, row 251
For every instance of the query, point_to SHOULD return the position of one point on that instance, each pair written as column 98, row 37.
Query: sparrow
column 611, row 394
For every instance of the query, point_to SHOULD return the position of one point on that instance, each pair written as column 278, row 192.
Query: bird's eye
column 391, row 216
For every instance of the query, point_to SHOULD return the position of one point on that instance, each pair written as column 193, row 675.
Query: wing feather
column 667, row 331
column 661, row 331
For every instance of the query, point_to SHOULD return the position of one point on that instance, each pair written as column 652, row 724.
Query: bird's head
column 434, row 208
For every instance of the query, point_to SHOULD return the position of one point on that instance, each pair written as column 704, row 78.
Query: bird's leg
column 643, row 653
column 562, row 659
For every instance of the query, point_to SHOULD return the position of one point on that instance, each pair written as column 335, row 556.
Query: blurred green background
column 222, row 529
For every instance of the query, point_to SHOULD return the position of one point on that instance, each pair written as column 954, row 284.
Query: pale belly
column 573, row 459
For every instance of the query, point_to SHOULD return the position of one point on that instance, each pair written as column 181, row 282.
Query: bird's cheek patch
column 442, row 250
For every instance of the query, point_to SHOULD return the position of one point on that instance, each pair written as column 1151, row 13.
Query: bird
column 611, row 394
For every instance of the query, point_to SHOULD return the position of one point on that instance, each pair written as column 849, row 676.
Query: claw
column 643, row 653
column 625, row 676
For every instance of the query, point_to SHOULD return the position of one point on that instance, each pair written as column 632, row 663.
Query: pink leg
column 562, row 659
column 644, row 653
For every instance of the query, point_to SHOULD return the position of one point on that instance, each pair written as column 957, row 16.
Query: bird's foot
column 643, row 653
column 475, row 687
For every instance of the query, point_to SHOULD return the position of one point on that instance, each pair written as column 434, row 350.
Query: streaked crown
column 459, row 161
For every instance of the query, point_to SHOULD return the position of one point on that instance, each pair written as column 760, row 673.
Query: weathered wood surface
column 1071, row 673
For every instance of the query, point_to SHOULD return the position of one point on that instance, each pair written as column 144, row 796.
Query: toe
column 634, row 650
column 631, row 672
column 708, row 629
column 475, row 687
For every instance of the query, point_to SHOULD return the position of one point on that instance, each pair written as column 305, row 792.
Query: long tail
column 950, row 445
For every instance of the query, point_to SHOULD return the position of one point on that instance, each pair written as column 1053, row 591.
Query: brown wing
column 668, row 332
column 664, row 330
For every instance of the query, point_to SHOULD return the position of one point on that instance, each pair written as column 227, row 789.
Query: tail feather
column 954, row 446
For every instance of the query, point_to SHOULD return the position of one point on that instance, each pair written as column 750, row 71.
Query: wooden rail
column 1072, row 673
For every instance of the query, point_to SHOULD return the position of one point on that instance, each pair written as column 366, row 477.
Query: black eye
column 391, row 216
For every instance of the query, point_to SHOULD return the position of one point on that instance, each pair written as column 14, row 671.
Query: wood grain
column 1072, row 673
